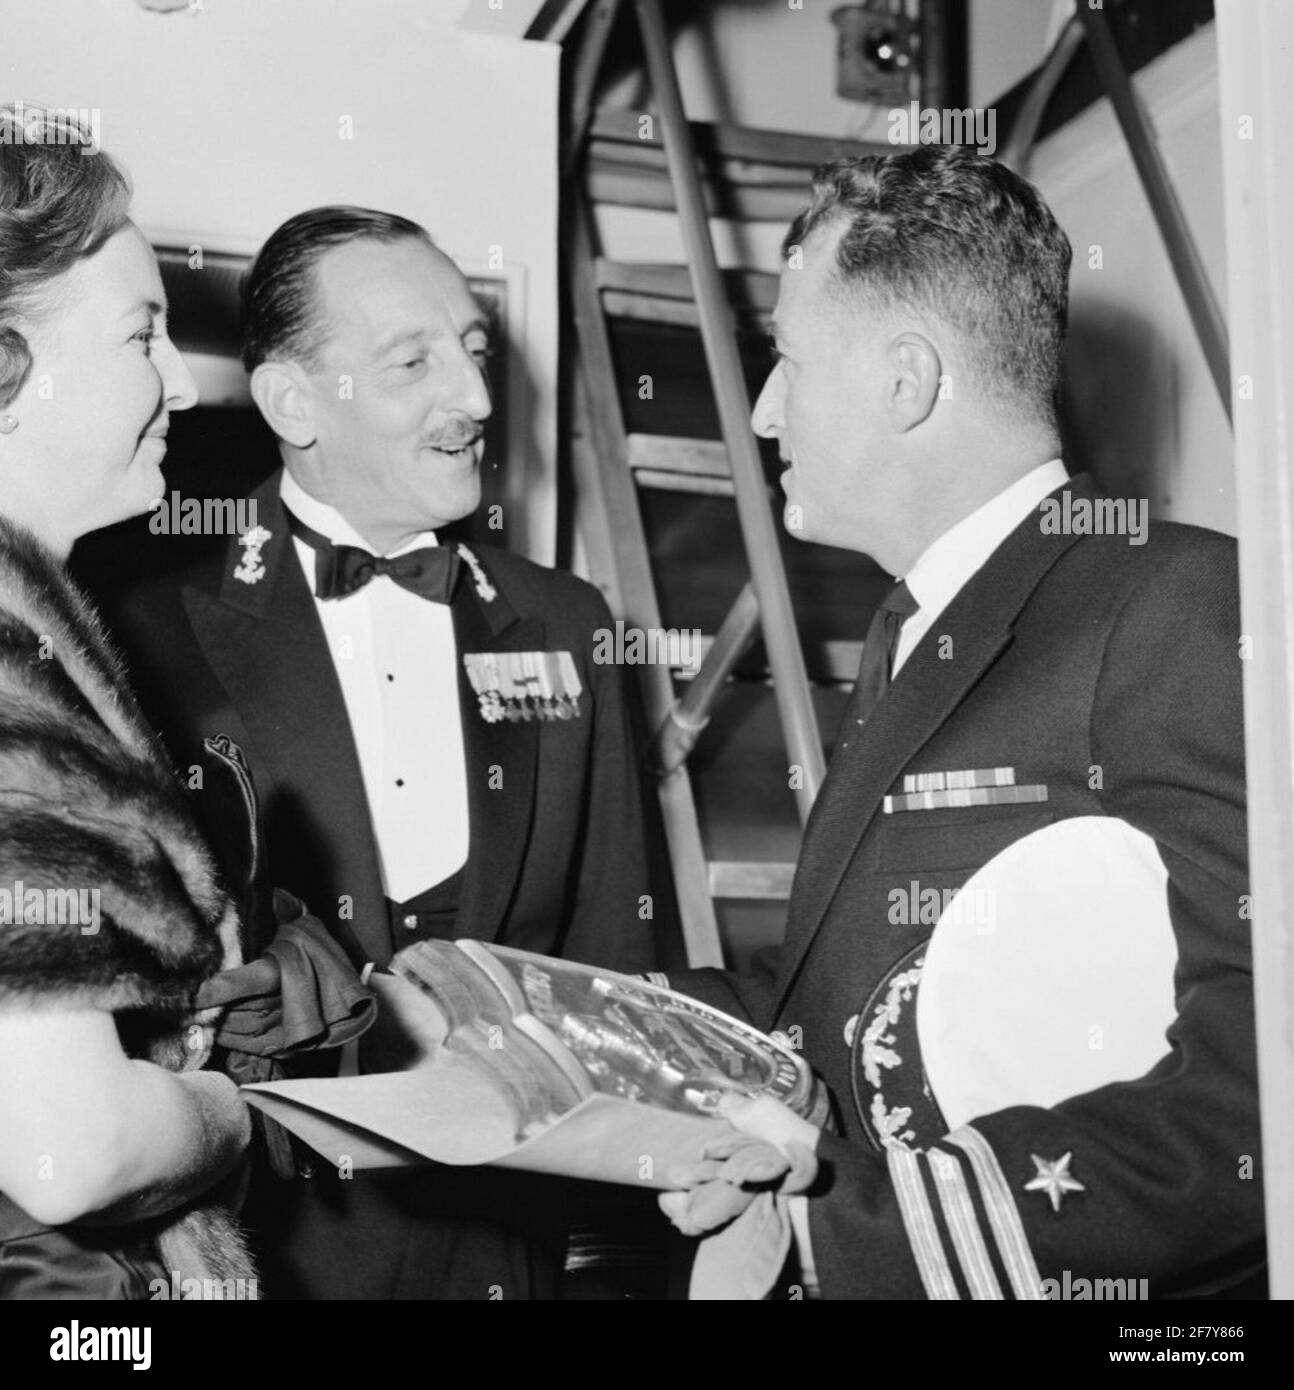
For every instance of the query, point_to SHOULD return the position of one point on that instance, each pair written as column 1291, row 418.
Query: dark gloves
column 302, row 994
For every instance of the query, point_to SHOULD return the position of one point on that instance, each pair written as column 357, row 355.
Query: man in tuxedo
column 1017, row 947
column 435, row 751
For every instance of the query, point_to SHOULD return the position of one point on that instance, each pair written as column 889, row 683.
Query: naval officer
column 1018, row 942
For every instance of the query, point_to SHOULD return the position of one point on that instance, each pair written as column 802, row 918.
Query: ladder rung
column 673, row 453
column 674, row 463
column 734, row 878
column 642, row 157
column 663, row 294
column 699, row 486
column 736, row 141
column 833, row 662
column 757, row 288
column 639, row 308
column 618, row 186
column 678, row 313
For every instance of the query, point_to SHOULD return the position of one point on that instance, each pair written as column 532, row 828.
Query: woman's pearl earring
column 8, row 423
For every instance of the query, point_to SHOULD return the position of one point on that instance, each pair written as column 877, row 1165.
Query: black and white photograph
column 646, row 655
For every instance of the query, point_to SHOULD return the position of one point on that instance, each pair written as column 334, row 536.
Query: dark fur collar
column 88, row 802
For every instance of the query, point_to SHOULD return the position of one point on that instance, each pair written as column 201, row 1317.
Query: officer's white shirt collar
column 329, row 522
column 947, row 564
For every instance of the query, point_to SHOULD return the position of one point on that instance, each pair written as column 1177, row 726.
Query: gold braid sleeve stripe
column 919, row 1222
column 959, row 1213
column 1004, row 1218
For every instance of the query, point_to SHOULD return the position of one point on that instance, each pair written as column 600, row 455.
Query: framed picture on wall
column 202, row 287
column 500, row 291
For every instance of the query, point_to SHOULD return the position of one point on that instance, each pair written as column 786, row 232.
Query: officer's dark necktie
column 878, row 656
column 430, row 571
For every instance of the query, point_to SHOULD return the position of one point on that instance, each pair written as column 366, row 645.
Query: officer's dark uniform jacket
column 1057, row 1081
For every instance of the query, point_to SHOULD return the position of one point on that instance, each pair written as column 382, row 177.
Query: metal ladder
column 1091, row 27
column 610, row 465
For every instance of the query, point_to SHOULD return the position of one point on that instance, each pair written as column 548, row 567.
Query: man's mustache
column 459, row 438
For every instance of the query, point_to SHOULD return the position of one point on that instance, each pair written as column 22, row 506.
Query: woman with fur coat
column 111, row 915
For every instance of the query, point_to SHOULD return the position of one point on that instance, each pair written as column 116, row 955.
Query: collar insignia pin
column 251, row 568
column 1053, row 1178
column 487, row 592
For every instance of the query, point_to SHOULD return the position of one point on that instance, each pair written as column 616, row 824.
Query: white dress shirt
column 947, row 564
column 397, row 662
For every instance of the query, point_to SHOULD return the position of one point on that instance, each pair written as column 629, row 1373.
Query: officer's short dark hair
column 947, row 232
column 280, row 308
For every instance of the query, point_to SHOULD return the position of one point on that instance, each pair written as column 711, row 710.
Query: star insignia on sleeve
column 1053, row 1178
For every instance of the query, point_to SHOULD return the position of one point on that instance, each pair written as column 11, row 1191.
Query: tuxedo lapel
column 920, row 701
column 266, row 645
column 500, row 759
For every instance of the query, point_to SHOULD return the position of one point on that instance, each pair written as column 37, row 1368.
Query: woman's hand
column 85, row 1132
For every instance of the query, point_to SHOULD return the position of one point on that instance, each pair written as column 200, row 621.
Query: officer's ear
column 915, row 376
column 285, row 398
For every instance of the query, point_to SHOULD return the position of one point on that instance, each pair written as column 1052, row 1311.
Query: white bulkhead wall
column 232, row 116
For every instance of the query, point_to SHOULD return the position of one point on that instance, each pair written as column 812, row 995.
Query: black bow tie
column 430, row 572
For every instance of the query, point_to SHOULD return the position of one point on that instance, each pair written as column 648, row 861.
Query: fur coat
column 89, row 801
